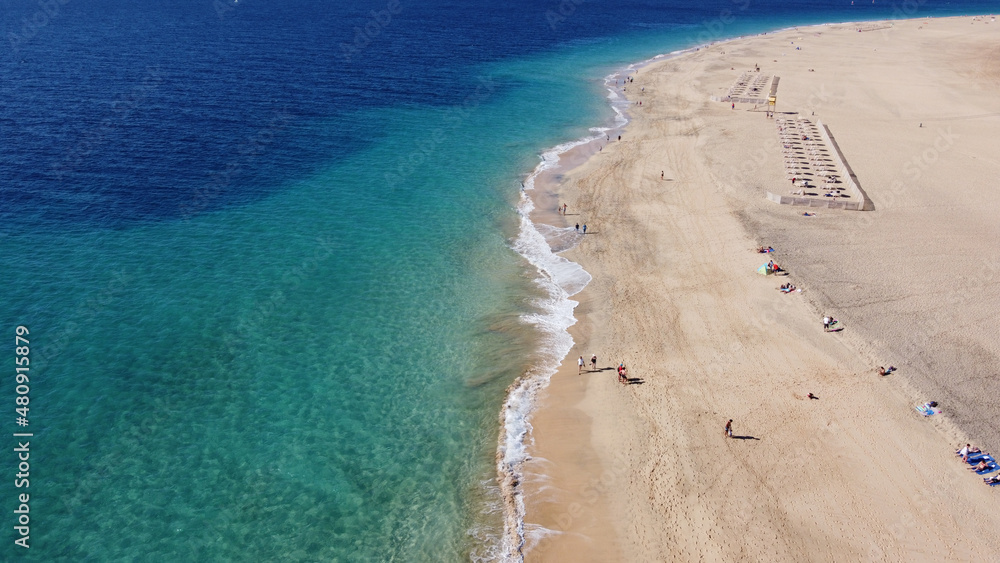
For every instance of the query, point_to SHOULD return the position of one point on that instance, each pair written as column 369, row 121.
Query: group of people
column 986, row 463
column 622, row 369
column 593, row 363
column 562, row 211
column 622, row 373
column 772, row 267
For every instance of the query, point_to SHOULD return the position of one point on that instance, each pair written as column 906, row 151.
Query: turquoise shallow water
column 304, row 365
column 316, row 374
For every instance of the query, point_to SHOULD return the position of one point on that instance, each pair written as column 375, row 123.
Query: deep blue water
column 266, row 264
column 116, row 114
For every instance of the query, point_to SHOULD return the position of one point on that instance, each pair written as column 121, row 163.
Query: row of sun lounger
column 807, row 158
column 874, row 26
column 749, row 88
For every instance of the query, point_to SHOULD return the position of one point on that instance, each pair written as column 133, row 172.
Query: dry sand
column 643, row 472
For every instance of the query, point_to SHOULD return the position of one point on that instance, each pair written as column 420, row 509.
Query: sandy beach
column 643, row 472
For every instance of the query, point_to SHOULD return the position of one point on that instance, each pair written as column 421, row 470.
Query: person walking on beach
column 729, row 428
column 578, row 227
column 593, row 362
column 580, row 363
column 661, row 174
column 584, row 228
column 564, row 209
column 734, row 105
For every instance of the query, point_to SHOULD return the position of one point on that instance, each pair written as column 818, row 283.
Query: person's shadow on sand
column 634, row 380
column 745, row 438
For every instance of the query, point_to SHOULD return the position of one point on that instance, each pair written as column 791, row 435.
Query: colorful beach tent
column 764, row 270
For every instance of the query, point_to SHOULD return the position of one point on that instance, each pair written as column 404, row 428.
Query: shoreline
column 523, row 394
column 596, row 481
column 534, row 207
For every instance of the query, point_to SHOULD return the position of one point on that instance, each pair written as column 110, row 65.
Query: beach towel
column 990, row 468
column 976, row 458
column 925, row 410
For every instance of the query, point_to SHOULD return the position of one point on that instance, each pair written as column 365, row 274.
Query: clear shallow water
column 273, row 301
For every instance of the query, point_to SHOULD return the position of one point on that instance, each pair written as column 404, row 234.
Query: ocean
column 284, row 297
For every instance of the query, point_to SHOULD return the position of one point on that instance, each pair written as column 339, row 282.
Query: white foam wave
column 534, row 534
column 560, row 279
